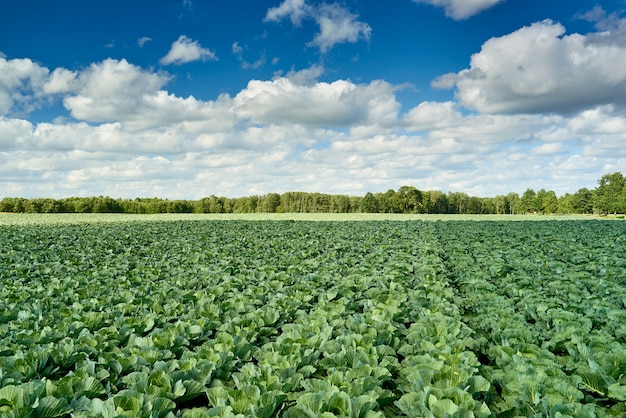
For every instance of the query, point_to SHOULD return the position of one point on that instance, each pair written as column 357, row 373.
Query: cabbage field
column 279, row 318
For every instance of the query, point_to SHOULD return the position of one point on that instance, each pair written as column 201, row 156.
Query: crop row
column 305, row 319
column 546, row 302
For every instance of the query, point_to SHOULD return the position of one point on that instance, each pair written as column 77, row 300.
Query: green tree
column 609, row 194
column 269, row 203
column 512, row 201
column 566, row 204
column 475, row 205
column 434, row 201
column 407, row 200
column 386, row 201
column 339, row 204
column 369, row 204
column 582, row 201
column 106, row 205
column 458, row 202
column 528, row 202
column 13, row 204
column 488, row 205
column 500, row 204
column 547, row 201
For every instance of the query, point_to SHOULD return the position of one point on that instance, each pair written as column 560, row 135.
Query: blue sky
column 188, row 98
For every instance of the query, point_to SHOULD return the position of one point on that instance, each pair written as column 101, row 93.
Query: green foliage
column 609, row 197
column 293, row 319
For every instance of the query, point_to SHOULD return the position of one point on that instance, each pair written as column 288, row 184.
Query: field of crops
column 236, row 318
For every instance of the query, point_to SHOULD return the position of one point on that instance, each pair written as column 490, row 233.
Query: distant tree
column 179, row 206
column 246, row 204
column 386, row 201
column 32, row 206
column 269, row 203
column 458, row 202
column 339, row 204
column 582, row 201
column 547, row 201
column 106, row 205
column 565, row 204
column 13, row 204
column 512, row 201
column 474, row 205
column 528, row 202
column 488, row 205
column 48, row 205
column 500, row 204
column 355, row 203
column 369, row 203
column 609, row 194
column 434, row 201
column 215, row 204
column 407, row 200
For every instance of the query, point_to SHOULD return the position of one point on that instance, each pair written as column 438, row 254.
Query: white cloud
column 12, row 131
column 60, row 81
column 112, row 90
column 132, row 137
column 602, row 120
column 337, row 104
column 143, row 40
column 185, row 50
column 119, row 91
column 296, row 10
column 305, row 77
column 548, row 149
column 238, row 52
column 445, row 120
column 432, row 115
column 80, row 159
column 336, row 23
column 611, row 27
column 539, row 69
column 461, row 9
column 21, row 83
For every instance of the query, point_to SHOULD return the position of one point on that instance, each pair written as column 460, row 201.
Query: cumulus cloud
column 540, row 69
column 336, row 23
column 117, row 91
column 296, row 10
column 61, row 81
column 305, row 77
column 337, row 104
column 112, row 90
column 12, row 132
column 21, row 82
column 261, row 157
column 461, row 9
column 185, row 50
column 293, row 132
column 433, row 115
column 603, row 120
column 611, row 27
column 548, row 149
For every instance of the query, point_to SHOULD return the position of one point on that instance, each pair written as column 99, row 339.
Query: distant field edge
column 42, row 218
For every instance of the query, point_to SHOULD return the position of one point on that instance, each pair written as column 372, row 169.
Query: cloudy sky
column 189, row 98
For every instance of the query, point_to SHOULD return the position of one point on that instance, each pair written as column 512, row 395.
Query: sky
column 183, row 99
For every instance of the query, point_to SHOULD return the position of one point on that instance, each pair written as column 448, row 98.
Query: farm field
column 70, row 218
column 194, row 317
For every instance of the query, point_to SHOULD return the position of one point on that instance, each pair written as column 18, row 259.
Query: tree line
column 608, row 197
